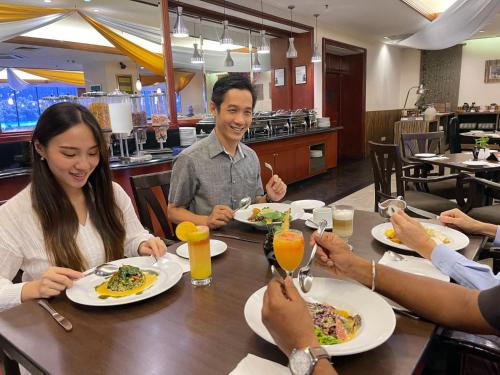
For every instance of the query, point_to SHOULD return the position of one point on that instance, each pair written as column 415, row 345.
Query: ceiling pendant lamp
column 180, row 29
column 292, row 52
column 316, row 57
column 256, row 67
column 138, row 84
column 225, row 39
column 228, row 62
column 263, row 48
column 198, row 57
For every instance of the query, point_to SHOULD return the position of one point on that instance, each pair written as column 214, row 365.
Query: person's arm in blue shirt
column 455, row 265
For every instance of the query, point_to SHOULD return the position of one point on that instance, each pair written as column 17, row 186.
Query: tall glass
column 199, row 256
column 343, row 220
column 289, row 249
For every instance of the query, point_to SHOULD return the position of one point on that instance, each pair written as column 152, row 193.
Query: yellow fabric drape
column 182, row 79
column 74, row 78
column 10, row 12
column 141, row 56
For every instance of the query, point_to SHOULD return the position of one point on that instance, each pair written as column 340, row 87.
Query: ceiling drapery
column 14, row 81
column 458, row 23
column 11, row 12
column 72, row 77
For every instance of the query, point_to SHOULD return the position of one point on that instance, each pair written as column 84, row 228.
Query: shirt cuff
column 444, row 258
column 496, row 241
column 11, row 296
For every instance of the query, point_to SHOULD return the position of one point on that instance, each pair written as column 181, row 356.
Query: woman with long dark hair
column 72, row 216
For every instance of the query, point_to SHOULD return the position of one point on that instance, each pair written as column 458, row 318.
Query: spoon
column 270, row 167
column 105, row 269
column 277, row 274
column 305, row 277
column 244, row 203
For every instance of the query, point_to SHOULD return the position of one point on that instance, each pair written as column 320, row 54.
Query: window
column 151, row 89
column 19, row 110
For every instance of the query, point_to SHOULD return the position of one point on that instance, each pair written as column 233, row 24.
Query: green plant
column 482, row 142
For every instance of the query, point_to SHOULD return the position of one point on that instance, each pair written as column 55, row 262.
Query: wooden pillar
column 168, row 61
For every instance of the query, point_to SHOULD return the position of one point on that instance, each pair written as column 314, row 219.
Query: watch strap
column 318, row 352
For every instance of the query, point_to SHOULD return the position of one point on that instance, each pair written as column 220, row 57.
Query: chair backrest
column 386, row 160
column 147, row 189
column 453, row 136
column 414, row 143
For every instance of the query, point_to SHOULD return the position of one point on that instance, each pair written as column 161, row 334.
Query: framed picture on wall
column 124, row 82
column 300, row 75
column 96, row 87
column 279, row 77
column 492, row 71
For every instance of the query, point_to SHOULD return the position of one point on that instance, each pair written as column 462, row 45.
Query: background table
column 190, row 330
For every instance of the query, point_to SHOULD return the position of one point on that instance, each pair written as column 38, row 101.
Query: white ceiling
column 365, row 19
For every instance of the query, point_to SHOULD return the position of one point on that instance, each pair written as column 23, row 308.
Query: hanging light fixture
column 180, row 29
column 197, row 57
column 316, row 57
column 292, row 52
column 229, row 60
column 256, row 67
column 225, row 39
column 263, row 48
column 138, row 84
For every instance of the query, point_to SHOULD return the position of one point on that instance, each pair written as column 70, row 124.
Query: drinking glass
column 199, row 256
column 343, row 220
column 289, row 249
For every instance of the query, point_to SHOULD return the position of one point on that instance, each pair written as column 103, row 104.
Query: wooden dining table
column 455, row 161
column 188, row 330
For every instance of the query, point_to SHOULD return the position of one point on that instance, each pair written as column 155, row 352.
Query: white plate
column 458, row 240
column 216, row 247
column 169, row 274
column 475, row 162
column 308, row 204
column 424, row 155
column 243, row 215
column 377, row 318
column 314, row 226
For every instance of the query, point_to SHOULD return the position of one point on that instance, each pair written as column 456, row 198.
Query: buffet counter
column 289, row 154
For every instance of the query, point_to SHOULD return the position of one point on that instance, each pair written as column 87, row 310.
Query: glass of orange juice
column 199, row 256
column 289, row 249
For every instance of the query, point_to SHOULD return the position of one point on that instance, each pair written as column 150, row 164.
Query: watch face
column 300, row 362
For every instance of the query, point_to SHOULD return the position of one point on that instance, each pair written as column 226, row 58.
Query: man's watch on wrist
column 268, row 199
column 302, row 361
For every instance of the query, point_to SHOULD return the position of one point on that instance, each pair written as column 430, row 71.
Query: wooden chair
column 415, row 143
column 145, row 188
column 386, row 161
column 480, row 199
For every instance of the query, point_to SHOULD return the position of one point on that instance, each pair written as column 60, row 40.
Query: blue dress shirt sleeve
column 464, row 271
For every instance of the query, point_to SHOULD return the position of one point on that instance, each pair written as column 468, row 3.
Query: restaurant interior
column 364, row 109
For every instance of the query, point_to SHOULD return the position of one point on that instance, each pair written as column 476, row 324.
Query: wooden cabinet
column 291, row 158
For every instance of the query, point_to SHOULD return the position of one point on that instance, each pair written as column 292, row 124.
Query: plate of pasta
column 454, row 239
column 347, row 317
column 136, row 279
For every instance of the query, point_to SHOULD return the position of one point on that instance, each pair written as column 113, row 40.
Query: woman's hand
column 53, row 282
column 154, row 246
column 333, row 253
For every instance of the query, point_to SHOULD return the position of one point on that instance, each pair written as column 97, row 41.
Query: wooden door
column 333, row 89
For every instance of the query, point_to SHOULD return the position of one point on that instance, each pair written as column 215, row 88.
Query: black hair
column 232, row 81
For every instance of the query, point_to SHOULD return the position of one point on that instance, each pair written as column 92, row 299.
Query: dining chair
column 386, row 160
column 147, row 189
column 418, row 143
column 481, row 199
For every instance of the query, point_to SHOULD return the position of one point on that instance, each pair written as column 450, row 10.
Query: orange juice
column 199, row 256
column 289, row 248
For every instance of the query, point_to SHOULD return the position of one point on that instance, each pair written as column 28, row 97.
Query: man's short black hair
column 232, row 81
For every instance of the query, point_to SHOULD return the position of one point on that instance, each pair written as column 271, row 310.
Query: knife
column 65, row 323
column 234, row 237
column 426, row 214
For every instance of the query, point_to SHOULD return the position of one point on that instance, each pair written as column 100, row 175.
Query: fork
column 270, row 167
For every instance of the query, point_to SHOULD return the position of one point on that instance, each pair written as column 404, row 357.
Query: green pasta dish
column 126, row 278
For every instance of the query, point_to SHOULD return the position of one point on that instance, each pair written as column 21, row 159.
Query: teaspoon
column 105, row 269
column 244, row 203
column 305, row 276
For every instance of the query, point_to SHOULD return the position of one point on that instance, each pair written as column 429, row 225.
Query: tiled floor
column 347, row 178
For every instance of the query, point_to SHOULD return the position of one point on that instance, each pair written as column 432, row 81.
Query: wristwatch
column 302, row 361
column 268, row 199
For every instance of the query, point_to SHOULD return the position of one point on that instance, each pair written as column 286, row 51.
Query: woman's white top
column 22, row 246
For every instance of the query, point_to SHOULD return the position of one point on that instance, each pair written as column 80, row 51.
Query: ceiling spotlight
column 180, row 29
column 158, row 90
column 225, row 40
column 47, row 1
column 229, row 60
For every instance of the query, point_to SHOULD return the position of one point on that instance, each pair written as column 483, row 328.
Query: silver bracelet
column 374, row 273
